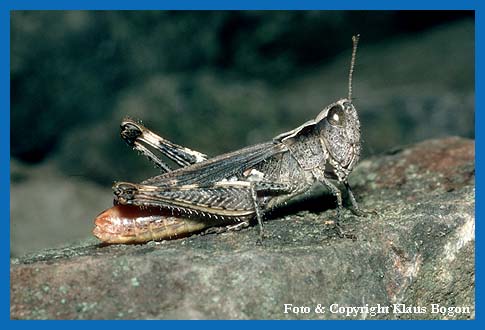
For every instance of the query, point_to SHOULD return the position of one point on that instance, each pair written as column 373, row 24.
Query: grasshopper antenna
column 355, row 42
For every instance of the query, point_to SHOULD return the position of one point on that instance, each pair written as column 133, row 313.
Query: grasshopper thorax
column 331, row 141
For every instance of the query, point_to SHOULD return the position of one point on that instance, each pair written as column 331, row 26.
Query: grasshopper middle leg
column 260, row 189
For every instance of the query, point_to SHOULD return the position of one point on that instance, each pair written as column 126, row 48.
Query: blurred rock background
column 214, row 81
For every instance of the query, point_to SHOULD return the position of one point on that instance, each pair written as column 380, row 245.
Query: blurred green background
column 213, row 81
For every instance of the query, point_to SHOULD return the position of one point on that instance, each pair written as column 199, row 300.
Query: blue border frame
column 8, row 5
column 241, row 4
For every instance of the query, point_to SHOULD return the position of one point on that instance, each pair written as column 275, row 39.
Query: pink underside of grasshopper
column 131, row 224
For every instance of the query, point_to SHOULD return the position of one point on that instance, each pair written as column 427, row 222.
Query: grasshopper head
column 339, row 130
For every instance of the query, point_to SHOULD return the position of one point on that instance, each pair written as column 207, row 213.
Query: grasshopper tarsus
column 229, row 228
column 261, row 237
column 214, row 230
column 364, row 213
column 342, row 233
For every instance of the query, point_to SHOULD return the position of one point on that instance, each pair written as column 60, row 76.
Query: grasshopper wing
column 218, row 168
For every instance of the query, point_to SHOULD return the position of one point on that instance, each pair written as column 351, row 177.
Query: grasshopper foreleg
column 338, row 194
column 356, row 210
column 138, row 136
column 320, row 176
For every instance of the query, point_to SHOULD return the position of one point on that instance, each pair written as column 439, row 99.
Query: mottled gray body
column 243, row 184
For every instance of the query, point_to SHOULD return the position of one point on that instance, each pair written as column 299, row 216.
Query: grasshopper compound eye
column 336, row 116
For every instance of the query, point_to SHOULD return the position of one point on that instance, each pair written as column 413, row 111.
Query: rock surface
column 418, row 251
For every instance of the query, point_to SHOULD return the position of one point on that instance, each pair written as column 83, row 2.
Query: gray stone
column 418, row 251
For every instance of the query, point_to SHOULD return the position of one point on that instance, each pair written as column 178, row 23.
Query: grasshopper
column 235, row 187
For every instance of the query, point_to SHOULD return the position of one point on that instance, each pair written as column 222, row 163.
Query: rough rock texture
column 419, row 251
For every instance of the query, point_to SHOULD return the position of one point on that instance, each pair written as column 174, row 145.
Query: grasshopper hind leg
column 140, row 138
